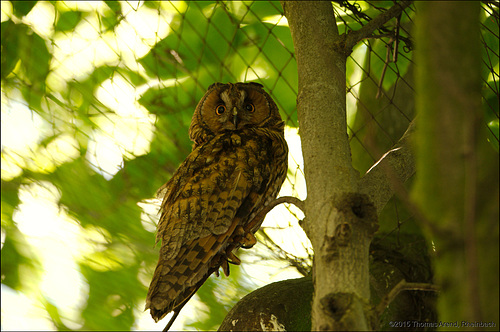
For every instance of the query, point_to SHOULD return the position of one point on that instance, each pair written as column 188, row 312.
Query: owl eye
column 219, row 110
column 250, row 108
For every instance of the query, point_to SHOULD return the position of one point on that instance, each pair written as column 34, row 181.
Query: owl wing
column 205, row 193
column 199, row 214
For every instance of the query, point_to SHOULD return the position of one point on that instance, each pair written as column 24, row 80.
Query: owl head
column 232, row 107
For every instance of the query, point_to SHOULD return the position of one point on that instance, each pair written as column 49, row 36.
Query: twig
column 354, row 37
column 396, row 42
column 387, row 60
column 259, row 217
column 397, row 164
column 383, row 35
column 299, row 263
column 171, row 321
column 394, row 39
column 401, row 286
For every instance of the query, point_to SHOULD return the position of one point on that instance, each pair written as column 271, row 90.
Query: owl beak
column 235, row 117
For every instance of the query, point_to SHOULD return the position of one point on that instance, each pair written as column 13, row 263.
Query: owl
column 210, row 205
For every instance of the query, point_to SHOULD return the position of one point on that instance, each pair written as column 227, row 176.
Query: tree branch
column 401, row 286
column 336, row 223
column 262, row 213
column 353, row 37
column 388, row 174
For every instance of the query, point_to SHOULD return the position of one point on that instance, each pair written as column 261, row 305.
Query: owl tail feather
column 179, row 307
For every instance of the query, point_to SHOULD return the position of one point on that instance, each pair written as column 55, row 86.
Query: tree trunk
column 454, row 160
column 340, row 209
column 339, row 221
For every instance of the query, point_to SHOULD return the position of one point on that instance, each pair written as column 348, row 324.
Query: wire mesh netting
column 97, row 98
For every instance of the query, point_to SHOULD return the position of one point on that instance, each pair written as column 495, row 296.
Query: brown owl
column 209, row 209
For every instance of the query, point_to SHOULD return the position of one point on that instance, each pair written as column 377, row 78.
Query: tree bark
column 341, row 218
column 339, row 221
column 283, row 305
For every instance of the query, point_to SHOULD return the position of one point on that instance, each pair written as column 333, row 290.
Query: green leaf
column 111, row 295
column 112, row 16
column 393, row 70
column 11, row 260
column 53, row 312
column 114, row 6
column 95, row 201
column 22, row 8
column 494, row 134
column 68, row 20
column 86, row 89
column 152, row 4
column 135, row 77
column 220, row 38
column 16, row 252
column 35, row 58
column 262, row 9
column 491, row 111
column 10, row 45
column 163, row 61
column 172, row 99
column 490, row 51
column 189, row 42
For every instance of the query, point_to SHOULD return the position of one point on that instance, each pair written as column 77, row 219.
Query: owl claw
column 243, row 238
column 248, row 241
column 225, row 268
column 232, row 258
column 239, row 231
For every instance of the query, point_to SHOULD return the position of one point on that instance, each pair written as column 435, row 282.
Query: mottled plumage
column 237, row 166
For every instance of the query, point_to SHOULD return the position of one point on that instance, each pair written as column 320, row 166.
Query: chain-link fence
column 96, row 103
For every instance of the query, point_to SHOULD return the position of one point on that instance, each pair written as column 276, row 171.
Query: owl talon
column 232, row 258
column 239, row 231
column 248, row 241
column 225, row 268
